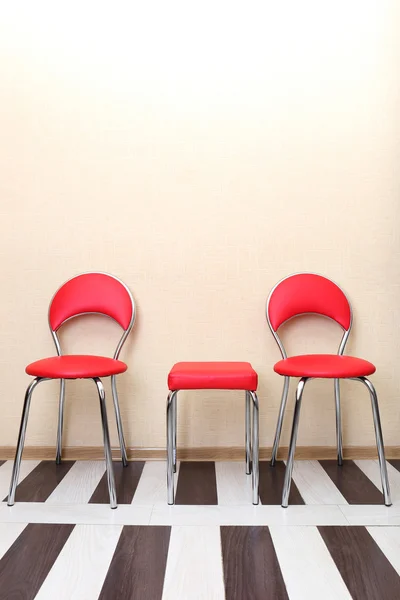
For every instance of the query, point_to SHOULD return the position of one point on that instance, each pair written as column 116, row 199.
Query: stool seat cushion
column 76, row 367
column 324, row 366
column 213, row 376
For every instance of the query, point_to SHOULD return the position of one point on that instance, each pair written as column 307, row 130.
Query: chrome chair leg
column 170, row 448
column 107, row 447
column 379, row 440
column 339, row 441
column 21, row 440
column 248, row 434
column 292, row 446
column 255, row 444
column 280, row 420
column 60, row 421
column 174, row 424
column 119, row 421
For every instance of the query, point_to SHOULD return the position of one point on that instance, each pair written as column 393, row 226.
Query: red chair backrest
column 307, row 293
column 91, row 293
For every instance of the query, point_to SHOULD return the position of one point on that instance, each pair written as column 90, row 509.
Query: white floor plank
column 372, row 471
column 388, row 540
column 233, row 485
column 79, row 483
column 152, row 486
column 5, row 474
column 82, row 565
column 8, row 534
column 314, row 484
column 194, row 565
column 306, row 564
column 246, row 515
column 371, row 514
column 90, row 514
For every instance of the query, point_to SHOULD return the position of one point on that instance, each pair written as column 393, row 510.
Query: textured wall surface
column 200, row 154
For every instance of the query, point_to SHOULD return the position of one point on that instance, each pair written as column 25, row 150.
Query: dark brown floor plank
column 42, row 481
column 28, row 561
column 197, row 483
column 251, row 567
column 2, row 462
column 126, row 482
column 395, row 463
column 138, row 566
column 364, row 568
column 271, row 484
column 352, row 483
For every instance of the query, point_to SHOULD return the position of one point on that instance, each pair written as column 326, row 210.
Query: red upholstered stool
column 213, row 376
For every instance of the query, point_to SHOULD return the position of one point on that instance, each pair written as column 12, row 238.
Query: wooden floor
column 335, row 541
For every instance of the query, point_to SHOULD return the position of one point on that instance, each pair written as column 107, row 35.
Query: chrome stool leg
column 107, row 447
column 339, row 441
column 119, row 421
column 248, row 433
column 255, row 444
column 280, row 420
column 60, row 421
column 174, row 424
column 170, row 447
column 292, row 446
column 21, row 440
column 379, row 440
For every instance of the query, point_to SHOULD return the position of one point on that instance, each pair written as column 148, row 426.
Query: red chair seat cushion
column 325, row 366
column 76, row 366
column 213, row 376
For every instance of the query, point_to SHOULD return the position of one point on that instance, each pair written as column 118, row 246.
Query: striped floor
column 203, row 484
column 336, row 540
column 115, row 562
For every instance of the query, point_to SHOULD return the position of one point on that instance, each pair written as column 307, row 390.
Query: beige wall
column 200, row 154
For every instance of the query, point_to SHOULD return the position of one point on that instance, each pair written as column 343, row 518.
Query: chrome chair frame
column 251, row 442
column 103, row 409
column 296, row 415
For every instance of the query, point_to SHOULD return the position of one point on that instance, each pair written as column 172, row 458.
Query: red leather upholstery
column 308, row 293
column 324, row 366
column 76, row 367
column 213, row 376
column 91, row 292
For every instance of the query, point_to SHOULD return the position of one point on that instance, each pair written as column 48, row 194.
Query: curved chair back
column 92, row 293
column 308, row 293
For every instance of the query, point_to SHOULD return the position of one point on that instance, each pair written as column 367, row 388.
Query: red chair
column 214, row 376
column 310, row 293
column 89, row 293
